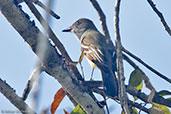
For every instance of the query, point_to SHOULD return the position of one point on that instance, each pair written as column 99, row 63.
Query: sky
column 141, row 33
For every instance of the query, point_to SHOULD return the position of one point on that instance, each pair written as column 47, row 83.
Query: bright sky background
column 141, row 32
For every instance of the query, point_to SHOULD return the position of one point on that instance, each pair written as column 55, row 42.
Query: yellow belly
column 91, row 63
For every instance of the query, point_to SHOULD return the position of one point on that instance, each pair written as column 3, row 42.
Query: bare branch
column 139, row 106
column 131, row 90
column 120, row 70
column 42, row 6
column 160, row 16
column 53, row 62
column 10, row 94
column 157, row 99
column 102, row 18
column 146, row 65
column 46, row 9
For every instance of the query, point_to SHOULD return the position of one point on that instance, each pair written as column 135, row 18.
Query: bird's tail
column 110, row 83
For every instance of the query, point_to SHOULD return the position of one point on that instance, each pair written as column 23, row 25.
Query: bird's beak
column 67, row 30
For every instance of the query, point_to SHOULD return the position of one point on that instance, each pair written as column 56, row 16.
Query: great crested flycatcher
column 99, row 50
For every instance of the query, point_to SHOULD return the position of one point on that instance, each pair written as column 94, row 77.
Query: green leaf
column 134, row 111
column 78, row 110
column 163, row 93
column 136, row 80
column 159, row 109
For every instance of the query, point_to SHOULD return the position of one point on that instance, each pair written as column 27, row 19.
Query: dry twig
column 120, row 70
column 102, row 18
column 160, row 16
column 146, row 65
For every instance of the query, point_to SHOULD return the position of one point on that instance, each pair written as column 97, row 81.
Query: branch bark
column 53, row 62
column 10, row 94
column 120, row 70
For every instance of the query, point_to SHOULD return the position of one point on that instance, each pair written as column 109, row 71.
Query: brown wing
column 97, row 49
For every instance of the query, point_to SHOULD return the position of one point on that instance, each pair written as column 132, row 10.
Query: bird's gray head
column 80, row 26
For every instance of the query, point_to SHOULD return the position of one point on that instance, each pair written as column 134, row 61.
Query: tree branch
column 157, row 99
column 131, row 90
column 139, row 106
column 160, row 16
column 42, row 6
column 146, row 65
column 33, row 77
column 10, row 94
column 53, row 62
column 145, row 78
column 102, row 18
column 120, row 70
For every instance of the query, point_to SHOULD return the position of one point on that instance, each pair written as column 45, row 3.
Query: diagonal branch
column 157, row 99
column 120, row 70
column 33, row 77
column 160, row 16
column 39, row 3
column 102, row 18
column 146, row 65
column 10, row 94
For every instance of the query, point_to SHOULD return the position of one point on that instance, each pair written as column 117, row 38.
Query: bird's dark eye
column 77, row 22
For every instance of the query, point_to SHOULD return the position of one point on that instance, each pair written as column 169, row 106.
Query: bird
column 99, row 51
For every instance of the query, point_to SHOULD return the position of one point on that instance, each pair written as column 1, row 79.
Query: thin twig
column 82, row 70
column 46, row 9
column 139, row 106
column 10, row 94
column 157, row 99
column 122, row 91
column 146, row 65
column 102, row 18
column 33, row 77
column 160, row 16
column 42, row 6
